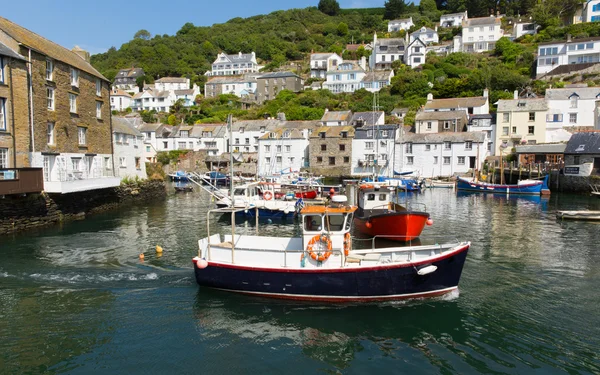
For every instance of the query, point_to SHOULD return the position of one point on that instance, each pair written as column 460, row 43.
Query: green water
column 76, row 299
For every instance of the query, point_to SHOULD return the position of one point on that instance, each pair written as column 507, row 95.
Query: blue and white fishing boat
column 248, row 199
column 527, row 187
column 322, row 264
column 179, row 176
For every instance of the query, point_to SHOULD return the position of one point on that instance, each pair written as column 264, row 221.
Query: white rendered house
column 416, row 53
column 213, row 138
column 240, row 86
column 577, row 51
column 476, row 105
column 386, row 51
column 321, row 63
column 236, row 64
column 401, row 24
column 373, row 150
column 591, row 11
column 120, row 100
column 481, row 34
column 346, row 78
column 129, row 149
column 282, row 150
column 427, row 35
column 453, row 19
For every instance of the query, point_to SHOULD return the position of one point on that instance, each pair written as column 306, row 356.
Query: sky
column 96, row 26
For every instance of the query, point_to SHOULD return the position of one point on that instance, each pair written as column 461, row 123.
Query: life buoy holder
column 318, row 256
column 347, row 243
column 268, row 195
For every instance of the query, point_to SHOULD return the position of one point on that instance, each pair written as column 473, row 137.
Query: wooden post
column 539, row 170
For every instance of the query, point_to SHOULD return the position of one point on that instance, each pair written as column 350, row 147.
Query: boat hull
column 527, row 189
column 397, row 226
column 380, row 283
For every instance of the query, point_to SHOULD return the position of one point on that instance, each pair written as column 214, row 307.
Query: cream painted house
column 520, row 121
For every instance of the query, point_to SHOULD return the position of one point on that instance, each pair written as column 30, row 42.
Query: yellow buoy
column 141, row 256
column 159, row 249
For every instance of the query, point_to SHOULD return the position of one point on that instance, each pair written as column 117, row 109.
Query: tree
column 394, row 9
column 172, row 120
column 329, row 7
column 142, row 34
column 342, row 29
column 550, row 12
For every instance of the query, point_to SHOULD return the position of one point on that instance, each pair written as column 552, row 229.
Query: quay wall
column 20, row 213
column 576, row 184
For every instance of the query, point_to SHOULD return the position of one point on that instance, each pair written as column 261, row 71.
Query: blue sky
column 96, row 26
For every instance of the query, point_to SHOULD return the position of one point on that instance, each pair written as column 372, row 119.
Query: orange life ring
column 268, row 195
column 366, row 186
column 347, row 243
column 318, row 256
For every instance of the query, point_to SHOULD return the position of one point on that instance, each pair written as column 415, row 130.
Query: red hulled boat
column 378, row 216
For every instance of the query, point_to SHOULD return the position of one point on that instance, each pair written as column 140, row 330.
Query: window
column 554, row 118
column 446, row 125
column 98, row 87
column 514, row 130
column 72, row 103
column 344, row 134
column 468, row 145
column 288, row 148
column 267, row 148
column 138, row 165
column 165, row 145
column 410, row 160
column 342, row 147
column 531, row 116
column 49, row 70
column 76, row 164
column 50, row 98
column 122, row 162
column 50, row 133
column 1, row 69
column 319, row 159
column 409, row 148
column 323, row 147
column 268, row 160
column 147, row 148
column 428, row 125
column 81, row 133
column 332, row 160
column 278, row 159
column 98, row 109
column 321, row 134
column 447, row 145
column 574, row 101
column 576, row 159
column 291, row 160
column 427, row 147
column 2, row 114
column 369, row 145
column 446, row 159
column 74, row 77
column 461, row 160
column 435, row 160
column 346, row 159
column 278, row 149
column 3, row 158
column 530, row 129
column 505, row 117
column 572, row 118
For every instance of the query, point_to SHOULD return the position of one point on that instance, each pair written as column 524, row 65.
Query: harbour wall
column 19, row 213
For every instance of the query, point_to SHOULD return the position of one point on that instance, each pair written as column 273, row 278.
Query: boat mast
column 230, row 126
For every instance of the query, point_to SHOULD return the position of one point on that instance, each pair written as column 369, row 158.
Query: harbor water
column 77, row 299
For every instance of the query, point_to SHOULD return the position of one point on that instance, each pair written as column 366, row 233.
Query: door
column 49, row 161
column 597, row 165
column 472, row 162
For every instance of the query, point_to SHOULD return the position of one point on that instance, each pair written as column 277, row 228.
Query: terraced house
column 58, row 114
column 330, row 150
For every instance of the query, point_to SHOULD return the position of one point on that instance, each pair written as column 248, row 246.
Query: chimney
column 82, row 53
column 516, row 95
column 240, row 54
column 486, row 93
column 568, row 38
column 435, row 28
column 429, row 97
column 597, row 116
column 363, row 63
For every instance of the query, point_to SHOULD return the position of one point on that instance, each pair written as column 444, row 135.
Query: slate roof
column 403, row 20
column 565, row 94
column 393, row 45
column 441, row 115
column 46, row 47
column 336, row 116
column 584, row 143
column 121, row 125
column 369, row 118
column 120, row 92
column 218, row 130
column 362, row 132
column 321, row 56
column 481, row 21
column 515, row 105
column 277, row 75
column 229, row 79
column 145, row 127
column 172, row 80
column 450, row 15
column 6, row 51
column 547, row 148
column 238, row 58
column 454, row 137
column 353, row 64
column 255, row 125
column 184, row 92
column 573, row 41
column 379, row 75
column 476, row 101
column 130, row 73
column 279, row 132
column 421, row 31
column 333, row 131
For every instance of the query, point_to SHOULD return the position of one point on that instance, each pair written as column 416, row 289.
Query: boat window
column 382, row 197
column 348, row 221
column 312, row 223
column 238, row 192
column 335, row 223
column 370, row 197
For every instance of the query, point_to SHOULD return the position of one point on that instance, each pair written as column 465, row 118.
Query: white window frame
column 572, row 118
column 98, row 87
column 410, row 160
column 81, row 135
column 3, row 120
column 74, row 77
column 99, row 110
column 50, row 132
column 122, row 162
column 461, row 160
column 72, row 103
column 50, row 98
column 1, row 69
column 446, row 160
column 49, row 70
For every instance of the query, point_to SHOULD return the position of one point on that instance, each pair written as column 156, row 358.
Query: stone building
column 270, row 84
column 330, row 150
column 63, row 123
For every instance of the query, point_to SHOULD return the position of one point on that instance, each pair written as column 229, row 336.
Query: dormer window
column 286, row 134
column 321, row 134
column 574, row 99
column 262, row 129
column 272, row 135
column 184, row 133
column 521, row 104
column 344, row 134
column 241, row 130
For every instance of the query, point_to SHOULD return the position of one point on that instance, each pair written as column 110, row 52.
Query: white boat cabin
column 373, row 197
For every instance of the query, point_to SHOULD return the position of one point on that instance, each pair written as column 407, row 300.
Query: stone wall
column 576, row 184
column 18, row 213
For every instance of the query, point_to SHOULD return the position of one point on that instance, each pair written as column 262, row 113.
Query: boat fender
column 429, row 222
column 427, row 270
column 142, row 257
column 201, row 263
column 368, row 224
column 268, row 195
column 347, row 243
column 159, row 249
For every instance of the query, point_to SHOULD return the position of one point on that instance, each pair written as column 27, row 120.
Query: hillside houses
column 321, row 63
column 235, row 64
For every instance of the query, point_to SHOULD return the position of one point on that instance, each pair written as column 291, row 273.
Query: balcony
column 70, row 181
column 21, row 181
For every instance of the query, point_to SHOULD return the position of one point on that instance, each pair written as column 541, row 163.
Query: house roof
column 130, row 73
column 476, row 101
column 146, row 127
column 336, row 116
column 454, row 137
column 480, row 21
column 229, row 79
column 46, row 47
column 368, row 118
column 392, row 44
column 363, row 132
column 566, row 93
column 218, row 130
column 279, row 134
column 421, row 31
column 277, row 75
column 121, row 125
column 184, row 92
column 333, row 131
column 239, row 57
column 119, row 92
column 355, row 47
column 321, row 56
column 452, row 15
column 256, row 125
column 401, row 20
column 172, row 80
column 522, row 105
column 542, row 148
column 399, row 110
column 441, row 115
column 584, row 143
column 6, row 51
column 353, row 65
column 378, row 75
column 573, row 41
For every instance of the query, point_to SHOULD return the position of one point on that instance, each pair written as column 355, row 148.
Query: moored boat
column 579, row 215
column 533, row 187
column 378, row 215
column 323, row 265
